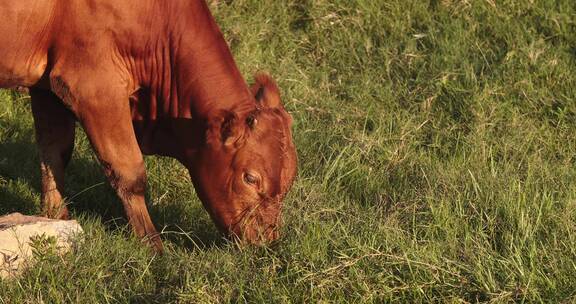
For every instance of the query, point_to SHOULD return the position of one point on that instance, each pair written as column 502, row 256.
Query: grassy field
column 437, row 147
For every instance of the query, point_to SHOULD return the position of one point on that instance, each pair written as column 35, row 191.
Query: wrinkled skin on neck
column 246, row 166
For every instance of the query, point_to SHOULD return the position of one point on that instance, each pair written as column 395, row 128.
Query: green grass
column 437, row 147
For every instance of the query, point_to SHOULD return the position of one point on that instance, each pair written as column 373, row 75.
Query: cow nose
column 273, row 235
column 259, row 237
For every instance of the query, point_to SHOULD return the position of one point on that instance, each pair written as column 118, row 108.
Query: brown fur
column 154, row 77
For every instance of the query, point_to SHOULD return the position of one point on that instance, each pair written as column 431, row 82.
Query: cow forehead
column 268, row 144
column 272, row 123
column 270, row 136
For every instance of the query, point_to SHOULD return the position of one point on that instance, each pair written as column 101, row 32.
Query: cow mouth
column 253, row 226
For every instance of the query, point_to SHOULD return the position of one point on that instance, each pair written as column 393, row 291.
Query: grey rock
column 17, row 232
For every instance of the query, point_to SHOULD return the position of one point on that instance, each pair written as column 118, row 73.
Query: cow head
column 247, row 165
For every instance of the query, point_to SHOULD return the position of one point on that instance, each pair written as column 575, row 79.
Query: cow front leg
column 54, row 125
column 108, row 125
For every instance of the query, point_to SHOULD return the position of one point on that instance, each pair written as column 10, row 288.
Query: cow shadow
column 184, row 224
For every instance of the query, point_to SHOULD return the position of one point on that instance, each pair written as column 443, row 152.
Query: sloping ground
column 437, row 144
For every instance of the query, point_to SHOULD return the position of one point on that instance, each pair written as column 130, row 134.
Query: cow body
column 146, row 76
column 23, row 50
column 150, row 45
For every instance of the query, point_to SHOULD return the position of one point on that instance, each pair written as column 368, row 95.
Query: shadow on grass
column 88, row 193
column 19, row 177
column 13, row 202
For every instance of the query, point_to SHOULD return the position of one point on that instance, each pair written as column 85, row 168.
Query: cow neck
column 195, row 78
column 207, row 79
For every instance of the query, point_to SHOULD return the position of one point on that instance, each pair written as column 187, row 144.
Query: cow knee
column 128, row 181
column 136, row 185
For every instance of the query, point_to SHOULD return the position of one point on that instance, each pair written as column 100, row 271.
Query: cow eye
column 251, row 121
column 250, row 178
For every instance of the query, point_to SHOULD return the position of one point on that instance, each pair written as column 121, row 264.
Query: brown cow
column 152, row 77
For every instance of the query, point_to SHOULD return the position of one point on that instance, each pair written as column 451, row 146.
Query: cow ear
column 265, row 91
column 224, row 130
